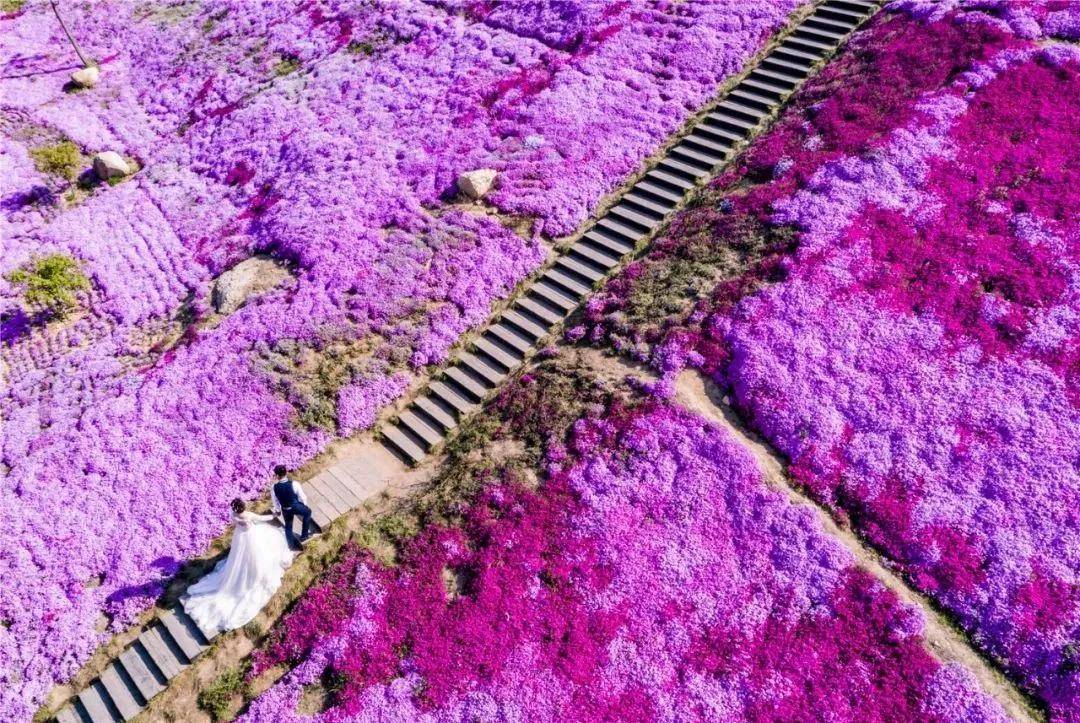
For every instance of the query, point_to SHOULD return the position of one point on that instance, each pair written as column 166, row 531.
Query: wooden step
column 412, row 451
column 663, row 192
column 581, row 268
column 436, row 412
column 477, row 389
column 626, row 213
column 510, row 338
column 452, row 397
column 608, row 244
column 500, row 354
column 524, row 324
column 93, row 699
column 183, row 633
column 480, row 368
column 576, row 288
column 535, row 305
column 135, row 661
column 707, row 143
column 165, row 658
column 121, row 694
column 638, row 197
column 421, row 428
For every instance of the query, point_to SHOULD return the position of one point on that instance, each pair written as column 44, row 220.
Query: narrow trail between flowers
column 701, row 395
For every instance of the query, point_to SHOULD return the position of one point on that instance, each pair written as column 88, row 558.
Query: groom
column 288, row 499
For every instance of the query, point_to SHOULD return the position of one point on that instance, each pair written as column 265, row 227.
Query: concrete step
column 707, row 143
column 773, row 78
column 554, row 296
column 546, row 312
column 183, row 632
column 573, row 288
column 727, row 130
column 506, row 335
column 673, row 165
column 839, row 14
column 639, row 198
column 739, row 111
column 626, row 213
column 826, row 36
column 706, row 160
column 404, row 444
column 600, row 257
column 775, row 64
column 607, row 243
column 476, row 388
column 508, row 358
column 661, row 191
column 168, row 659
column 343, row 483
column 787, row 52
column 452, row 397
column 678, row 182
column 748, row 96
column 524, row 325
column 93, row 700
column 853, row 6
column 583, row 269
column 436, row 412
column 803, row 43
column 136, row 662
column 68, row 714
column 827, row 25
column 419, row 426
column 121, row 692
column 629, row 230
column 319, row 494
column 476, row 365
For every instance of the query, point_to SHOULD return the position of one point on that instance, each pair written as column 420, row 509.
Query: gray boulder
column 248, row 279
column 110, row 164
column 476, row 184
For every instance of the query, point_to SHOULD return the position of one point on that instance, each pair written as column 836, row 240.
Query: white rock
column 476, row 184
column 86, row 77
column 247, row 279
column 110, row 164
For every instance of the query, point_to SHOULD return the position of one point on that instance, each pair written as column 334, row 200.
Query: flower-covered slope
column 653, row 575
column 327, row 136
column 898, row 311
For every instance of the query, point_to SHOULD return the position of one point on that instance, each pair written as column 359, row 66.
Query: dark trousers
column 308, row 526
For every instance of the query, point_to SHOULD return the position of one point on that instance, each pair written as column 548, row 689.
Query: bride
column 234, row 593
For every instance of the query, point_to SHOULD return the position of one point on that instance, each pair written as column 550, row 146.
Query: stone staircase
column 474, row 374
column 167, row 645
column 170, row 643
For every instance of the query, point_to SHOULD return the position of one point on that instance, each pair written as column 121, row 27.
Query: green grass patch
column 217, row 698
column 59, row 159
column 11, row 6
column 51, row 282
column 285, row 66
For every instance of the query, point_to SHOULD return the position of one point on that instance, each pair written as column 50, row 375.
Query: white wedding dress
column 241, row 584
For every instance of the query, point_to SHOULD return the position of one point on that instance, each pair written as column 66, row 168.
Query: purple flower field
column 907, row 335
column 327, row 136
column 653, row 576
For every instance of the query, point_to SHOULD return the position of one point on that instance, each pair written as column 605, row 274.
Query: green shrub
column 60, row 159
column 51, row 282
column 216, row 699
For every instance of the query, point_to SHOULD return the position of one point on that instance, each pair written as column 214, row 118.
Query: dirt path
column 699, row 394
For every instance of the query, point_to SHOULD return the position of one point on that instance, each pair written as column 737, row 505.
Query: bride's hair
column 237, row 506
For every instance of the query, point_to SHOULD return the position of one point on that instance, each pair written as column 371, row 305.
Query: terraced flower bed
column 888, row 288
column 325, row 139
column 595, row 554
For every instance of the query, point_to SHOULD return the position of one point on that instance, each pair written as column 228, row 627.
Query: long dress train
column 241, row 584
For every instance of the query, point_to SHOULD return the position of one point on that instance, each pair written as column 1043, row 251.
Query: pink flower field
column 327, row 136
column 652, row 576
column 906, row 333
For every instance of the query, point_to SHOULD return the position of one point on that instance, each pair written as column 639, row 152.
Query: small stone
column 476, row 184
column 110, row 164
column 86, row 77
column 247, row 279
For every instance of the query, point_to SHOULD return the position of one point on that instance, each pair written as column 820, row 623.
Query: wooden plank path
column 169, row 644
column 475, row 373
